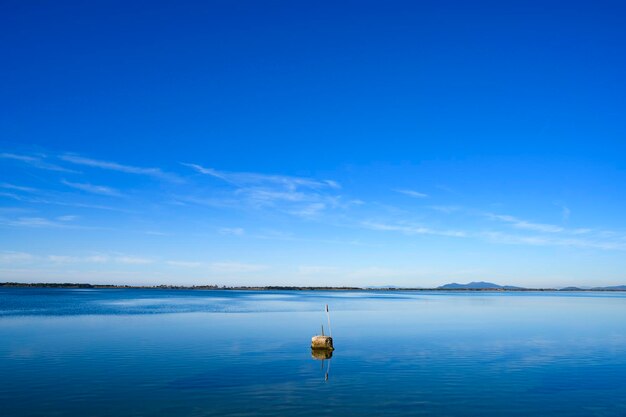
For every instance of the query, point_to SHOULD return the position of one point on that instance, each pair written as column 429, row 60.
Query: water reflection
column 323, row 355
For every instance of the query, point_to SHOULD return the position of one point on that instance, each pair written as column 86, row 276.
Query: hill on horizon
column 477, row 285
column 612, row 288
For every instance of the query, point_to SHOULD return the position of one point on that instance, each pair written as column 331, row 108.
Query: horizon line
column 463, row 287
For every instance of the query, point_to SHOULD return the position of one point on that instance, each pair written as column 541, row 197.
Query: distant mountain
column 571, row 289
column 613, row 288
column 481, row 285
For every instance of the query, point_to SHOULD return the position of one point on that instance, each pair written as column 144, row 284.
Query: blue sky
column 335, row 143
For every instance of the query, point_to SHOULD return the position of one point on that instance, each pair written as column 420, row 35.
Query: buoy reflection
column 323, row 355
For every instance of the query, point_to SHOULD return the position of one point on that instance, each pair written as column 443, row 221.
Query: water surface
column 236, row 353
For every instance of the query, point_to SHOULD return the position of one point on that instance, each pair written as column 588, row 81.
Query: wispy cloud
column 14, row 187
column 49, row 199
column 35, row 222
column 413, row 229
column 232, row 231
column 264, row 195
column 98, row 258
column 15, row 257
column 236, row 267
column 523, row 224
column 226, row 267
column 184, row 264
column 533, row 234
column 133, row 260
column 38, row 161
column 229, row 202
column 242, row 179
column 114, row 166
column 290, row 237
column 298, row 196
column 93, row 189
column 88, row 259
column 67, row 218
column 551, row 240
column 445, row 209
column 309, row 211
column 412, row 193
column 12, row 196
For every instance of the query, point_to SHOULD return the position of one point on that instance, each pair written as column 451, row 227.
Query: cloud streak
column 21, row 188
column 99, row 258
column 413, row 229
column 538, row 234
column 243, row 179
column 133, row 260
column 542, row 240
column 11, row 257
column 523, row 224
column 36, row 222
column 36, row 162
column 65, row 259
column 114, row 166
column 184, row 264
column 232, row 231
column 15, row 258
column 236, row 267
column 298, row 196
column 93, row 189
column 412, row 193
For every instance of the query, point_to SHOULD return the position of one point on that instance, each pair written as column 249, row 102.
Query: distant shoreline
column 292, row 288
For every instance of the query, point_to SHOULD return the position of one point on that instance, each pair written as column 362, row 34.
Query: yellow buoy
column 322, row 342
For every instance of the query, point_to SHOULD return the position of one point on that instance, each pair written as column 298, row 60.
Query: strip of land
column 447, row 287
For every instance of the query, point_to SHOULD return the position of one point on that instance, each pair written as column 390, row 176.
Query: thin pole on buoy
column 323, row 342
column 330, row 332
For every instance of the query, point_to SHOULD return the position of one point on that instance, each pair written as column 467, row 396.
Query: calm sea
column 243, row 353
